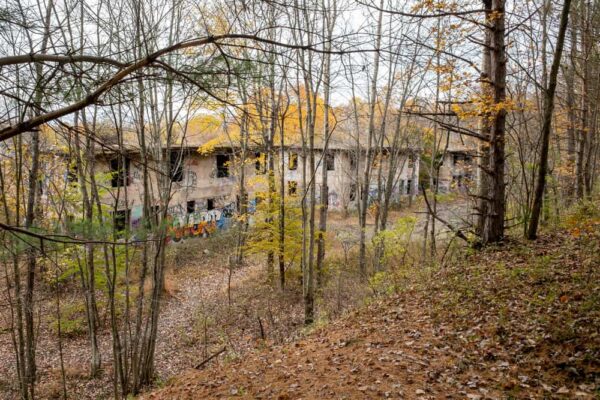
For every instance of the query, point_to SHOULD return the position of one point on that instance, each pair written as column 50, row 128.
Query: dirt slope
column 521, row 321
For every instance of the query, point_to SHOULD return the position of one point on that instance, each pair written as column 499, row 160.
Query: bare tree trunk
column 243, row 211
column 281, row 248
column 31, row 212
column 484, row 146
column 571, row 112
column 364, row 192
column 547, row 124
column 329, row 12
column 584, row 122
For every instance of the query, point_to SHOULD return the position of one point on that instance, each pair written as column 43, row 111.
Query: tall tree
column 547, row 123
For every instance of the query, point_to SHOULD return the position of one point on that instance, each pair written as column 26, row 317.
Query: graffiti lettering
column 197, row 224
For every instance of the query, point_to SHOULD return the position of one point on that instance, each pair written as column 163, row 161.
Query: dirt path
column 180, row 333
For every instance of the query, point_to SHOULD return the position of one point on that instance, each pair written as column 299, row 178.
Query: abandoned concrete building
column 458, row 164
column 205, row 186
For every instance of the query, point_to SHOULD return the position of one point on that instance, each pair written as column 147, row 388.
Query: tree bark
column 547, row 124
column 493, row 227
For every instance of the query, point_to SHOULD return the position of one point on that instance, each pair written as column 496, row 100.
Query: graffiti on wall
column 136, row 217
column 181, row 224
column 200, row 223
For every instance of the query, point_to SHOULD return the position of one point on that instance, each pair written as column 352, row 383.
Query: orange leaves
column 434, row 5
column 484, row 106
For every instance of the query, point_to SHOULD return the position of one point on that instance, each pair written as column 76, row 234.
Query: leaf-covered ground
column 518, row 321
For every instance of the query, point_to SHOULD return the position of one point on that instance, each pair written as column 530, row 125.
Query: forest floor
column 521, row 320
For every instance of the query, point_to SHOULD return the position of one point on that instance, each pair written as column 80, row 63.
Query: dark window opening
column 292, row 188
column 353, row 192
column 259, row 164
column 121, row 220
column 222, row 165
column 353, row 161
column 409, row 186
column 458, row 158
column 210, row 204
column 176, row 167
column 119, row 169
column 191, row 206
column 293, row 161
column 330, row 161
column 411, row 160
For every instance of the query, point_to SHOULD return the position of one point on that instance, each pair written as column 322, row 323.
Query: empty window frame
column 121, row 220
column 292, row 188
column 352, row 191
column 176, row 166
column 353, row 161
column 259, row 163
column 191, row 206
column 461, row 158
column 411, row 160
column 292, row 161
column 119, row 168
column 223, row 165
column 210, row 204
column 330, row 161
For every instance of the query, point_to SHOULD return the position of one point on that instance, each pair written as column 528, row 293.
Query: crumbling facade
column 205, row 186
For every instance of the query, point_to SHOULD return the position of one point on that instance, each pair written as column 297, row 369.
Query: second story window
column 330, row 161
column 353, row 161
column 176, row 166
column 222, row 165
column 119, row 168
column 293, row 161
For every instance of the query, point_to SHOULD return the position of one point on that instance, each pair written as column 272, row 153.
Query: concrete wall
column 457, row 172
column 200, row 203
column 342, row 180
column 215, row 198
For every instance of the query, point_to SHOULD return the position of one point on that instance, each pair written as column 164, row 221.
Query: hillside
column 517, row 321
